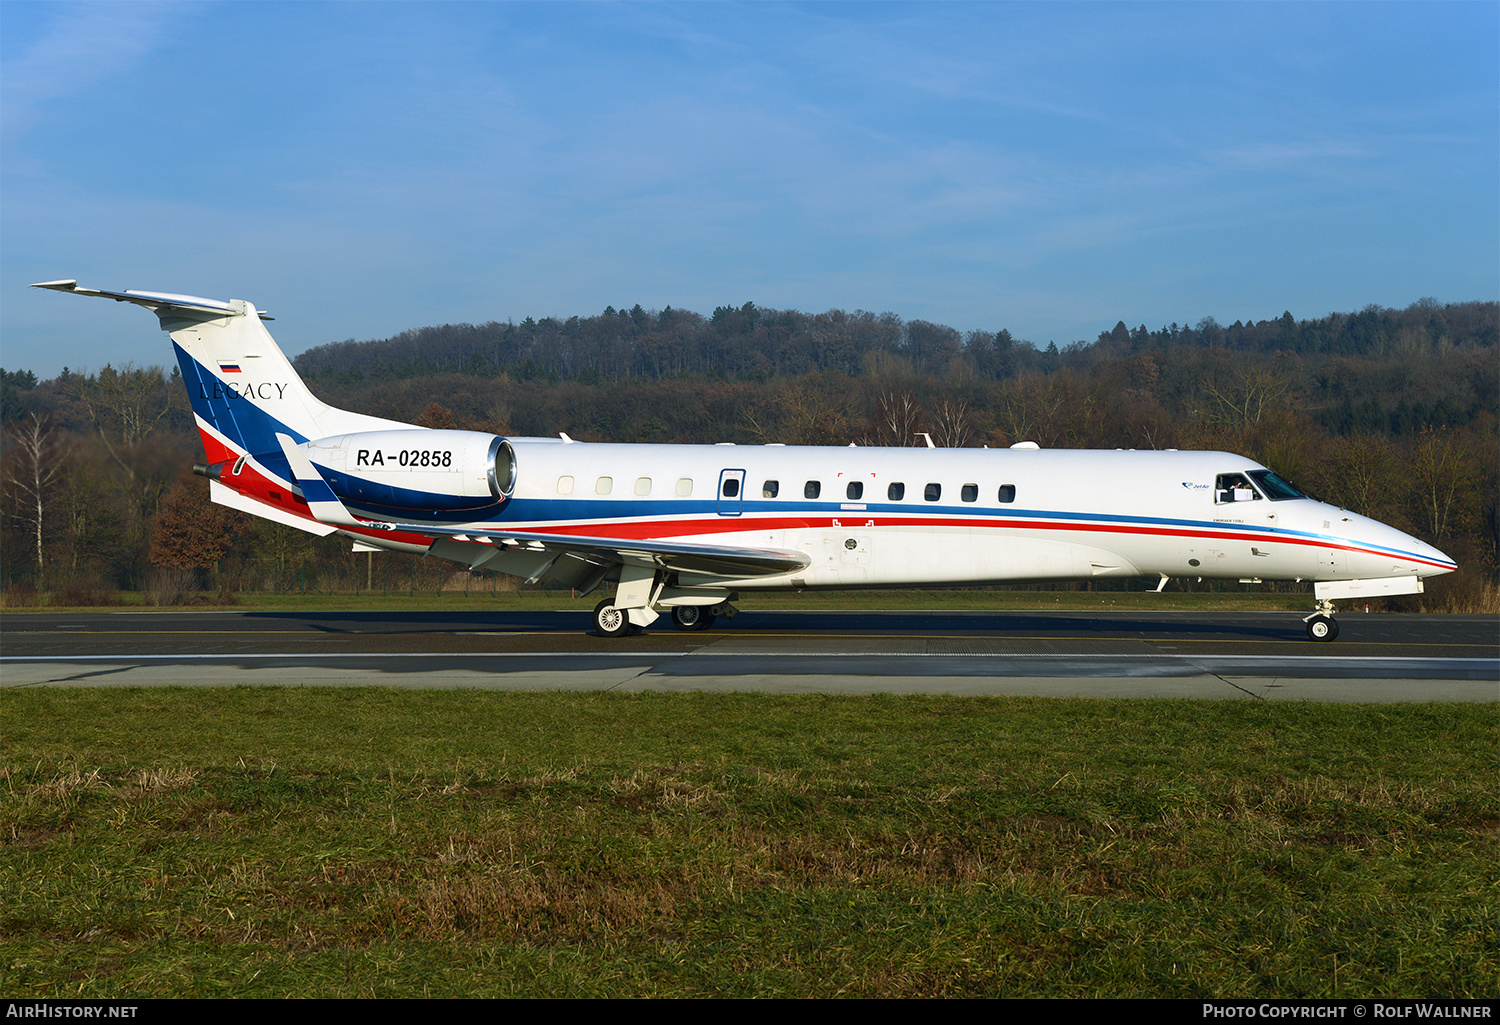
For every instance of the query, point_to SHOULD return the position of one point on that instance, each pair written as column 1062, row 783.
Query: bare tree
column 1031, row 409
column 898, row 419
column 1246, row 400
column 125, row 405
column 1443, row 478
column 952, row 423
column 39, row 460
column 1362, row 473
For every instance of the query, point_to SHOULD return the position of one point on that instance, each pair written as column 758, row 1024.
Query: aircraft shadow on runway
column 1244, row 626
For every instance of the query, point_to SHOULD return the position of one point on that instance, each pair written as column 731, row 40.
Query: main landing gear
column 612, row 621
column 692, row 617
column 1321, row 626
column 640, row 587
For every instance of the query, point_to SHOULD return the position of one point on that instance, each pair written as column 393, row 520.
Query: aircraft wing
column 720, row 560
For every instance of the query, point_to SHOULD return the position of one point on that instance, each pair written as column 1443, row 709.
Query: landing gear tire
column 612, row 622
column 692, row 617
column 1322, row 628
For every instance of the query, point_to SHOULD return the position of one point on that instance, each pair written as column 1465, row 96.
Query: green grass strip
column 263, row 842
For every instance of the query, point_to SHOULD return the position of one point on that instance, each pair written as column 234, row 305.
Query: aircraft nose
column 1428, row 561
column 1387, row 551
column 1437, row 562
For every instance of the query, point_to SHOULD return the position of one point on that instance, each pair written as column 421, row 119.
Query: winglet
column 321, row 501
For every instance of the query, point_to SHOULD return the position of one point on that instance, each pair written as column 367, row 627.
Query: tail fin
column 243, row 390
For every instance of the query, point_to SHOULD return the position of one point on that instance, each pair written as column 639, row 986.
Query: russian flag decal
column 229, row 368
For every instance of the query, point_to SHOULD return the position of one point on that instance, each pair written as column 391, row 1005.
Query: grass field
column 342, row 842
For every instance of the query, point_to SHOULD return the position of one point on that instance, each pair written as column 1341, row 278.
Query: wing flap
column 719, row 560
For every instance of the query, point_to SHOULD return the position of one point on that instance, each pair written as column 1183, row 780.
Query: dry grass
column 133, row 784
column 1473, row 597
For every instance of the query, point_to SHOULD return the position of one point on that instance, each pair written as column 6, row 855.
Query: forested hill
column 753, row 343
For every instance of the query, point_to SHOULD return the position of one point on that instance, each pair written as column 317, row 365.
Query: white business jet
column 686, row 528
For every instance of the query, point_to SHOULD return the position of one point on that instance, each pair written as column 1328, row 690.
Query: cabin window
column 769, row 488
column 731, row 487
column 565, row 485
column 1234, row 487
column 932, row 492
column 855, row 490
column 896, row 492
column 684, row 487
column 970, row 493
column 812, row 489
column 643, row 485
column 1007, row 493
column 604, row 485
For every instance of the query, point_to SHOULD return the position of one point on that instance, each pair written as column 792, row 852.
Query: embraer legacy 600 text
column 688, row 527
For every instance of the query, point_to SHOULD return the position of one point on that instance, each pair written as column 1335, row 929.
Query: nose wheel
column 1321, row 626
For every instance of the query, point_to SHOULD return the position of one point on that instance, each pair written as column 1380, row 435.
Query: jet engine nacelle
column 416, row 469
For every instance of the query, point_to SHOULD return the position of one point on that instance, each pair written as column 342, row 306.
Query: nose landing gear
column 1321, row 626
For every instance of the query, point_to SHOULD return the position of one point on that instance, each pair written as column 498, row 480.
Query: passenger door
column 731, row 492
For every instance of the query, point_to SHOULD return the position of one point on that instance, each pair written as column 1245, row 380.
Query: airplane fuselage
column 870, row 517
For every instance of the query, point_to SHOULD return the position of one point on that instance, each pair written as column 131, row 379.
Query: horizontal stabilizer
column 158, row 301
column 224, row 495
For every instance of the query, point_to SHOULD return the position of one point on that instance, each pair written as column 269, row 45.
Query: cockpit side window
column 1234, row 487
column 1276, row 489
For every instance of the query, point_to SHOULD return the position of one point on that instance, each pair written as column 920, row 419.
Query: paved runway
column 1242, row 656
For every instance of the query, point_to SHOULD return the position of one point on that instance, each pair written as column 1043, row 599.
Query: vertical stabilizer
column 243, row 389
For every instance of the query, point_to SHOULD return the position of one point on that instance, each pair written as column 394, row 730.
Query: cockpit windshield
column 1276, row 489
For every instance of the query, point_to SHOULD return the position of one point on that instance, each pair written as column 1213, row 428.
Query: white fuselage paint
column 1075, row 514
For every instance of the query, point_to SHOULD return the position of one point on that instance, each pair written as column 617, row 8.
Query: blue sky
column 360, row 169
